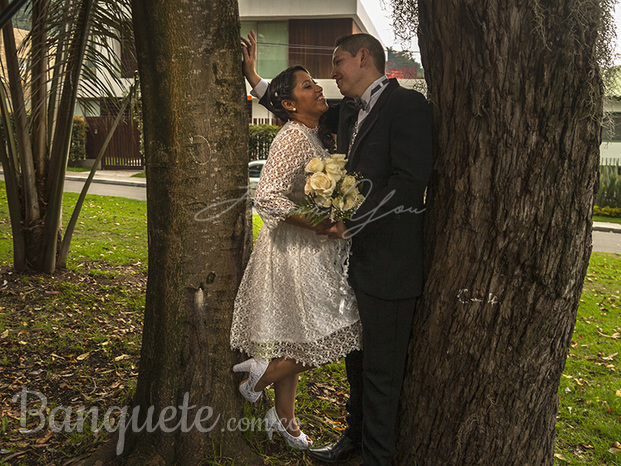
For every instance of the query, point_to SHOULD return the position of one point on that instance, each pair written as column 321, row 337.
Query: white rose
column 320, row 184
column 333, row 170
column 348, row 184
column 323, row 201
column 346, row 203
column 314, row 166
column 340, row 159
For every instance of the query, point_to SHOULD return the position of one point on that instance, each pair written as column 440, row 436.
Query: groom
column 386, row 131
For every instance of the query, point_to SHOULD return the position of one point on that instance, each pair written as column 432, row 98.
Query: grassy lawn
column 78, row 169
column 75, row 337
column 589, row 418
column 599, row 218
column 109, row 229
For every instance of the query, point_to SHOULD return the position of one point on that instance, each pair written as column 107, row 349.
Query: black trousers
column 376, row 376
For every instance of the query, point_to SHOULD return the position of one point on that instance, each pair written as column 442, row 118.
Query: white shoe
column 255, row 368
column 272, row 422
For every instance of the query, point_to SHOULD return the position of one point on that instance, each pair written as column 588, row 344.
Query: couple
column 299, row 304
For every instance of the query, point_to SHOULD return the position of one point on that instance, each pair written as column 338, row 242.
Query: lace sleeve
column 288, row 155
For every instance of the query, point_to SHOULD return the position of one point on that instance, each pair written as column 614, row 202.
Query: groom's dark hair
column 352, row 43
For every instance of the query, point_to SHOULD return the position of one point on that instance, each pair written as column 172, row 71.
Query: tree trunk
column 195, row 129
column 39, row 91
column 62, row 137
column 517, row 100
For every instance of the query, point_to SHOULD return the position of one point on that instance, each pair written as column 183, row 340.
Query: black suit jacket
column 392, row 152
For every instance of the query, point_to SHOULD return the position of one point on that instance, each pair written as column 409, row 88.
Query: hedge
column 77, row 150
column 607, row 211
column 260, row 138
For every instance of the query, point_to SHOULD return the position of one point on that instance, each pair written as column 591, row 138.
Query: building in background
column 303, row 32
column 300, row 32
column 610, row 149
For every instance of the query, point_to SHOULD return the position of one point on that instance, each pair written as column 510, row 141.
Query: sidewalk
column 118, row 177
column 607, row 227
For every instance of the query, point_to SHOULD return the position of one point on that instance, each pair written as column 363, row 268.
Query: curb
column 120, row 182
column 608, row 227
column 139, row 184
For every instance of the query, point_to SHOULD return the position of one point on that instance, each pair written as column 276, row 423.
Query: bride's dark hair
column 281, row 89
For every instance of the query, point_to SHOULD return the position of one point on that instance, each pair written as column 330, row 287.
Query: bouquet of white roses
column 330, row 191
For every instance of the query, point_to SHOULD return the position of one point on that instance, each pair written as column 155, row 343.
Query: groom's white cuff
column 260, row 89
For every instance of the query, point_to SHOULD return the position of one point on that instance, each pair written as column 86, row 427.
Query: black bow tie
column 360, row 104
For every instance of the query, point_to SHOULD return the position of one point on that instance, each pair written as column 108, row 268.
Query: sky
column 379, row 11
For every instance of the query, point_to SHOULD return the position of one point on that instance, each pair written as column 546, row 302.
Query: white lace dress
column 294, row 300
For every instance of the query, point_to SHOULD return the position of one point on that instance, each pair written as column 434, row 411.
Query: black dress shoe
column 340, row 450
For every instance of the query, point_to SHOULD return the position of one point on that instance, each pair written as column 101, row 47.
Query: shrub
column 77, row 150
column 609, row 194
column 260, row 138
column 607, row 211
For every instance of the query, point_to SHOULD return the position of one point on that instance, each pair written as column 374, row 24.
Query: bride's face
column 308, row 95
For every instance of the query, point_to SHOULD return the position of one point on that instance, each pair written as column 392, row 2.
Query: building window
column 312, row 43
column 129, row 63
column 273, row 39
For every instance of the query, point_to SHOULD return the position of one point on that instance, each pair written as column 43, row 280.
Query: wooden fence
column 123, row 152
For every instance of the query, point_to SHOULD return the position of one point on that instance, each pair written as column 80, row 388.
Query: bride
column 294, row 309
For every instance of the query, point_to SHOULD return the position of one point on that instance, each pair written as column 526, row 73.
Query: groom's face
column 346, row 71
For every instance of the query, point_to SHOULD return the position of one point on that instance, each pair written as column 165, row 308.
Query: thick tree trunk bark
column 196, row 153
column 517, row 100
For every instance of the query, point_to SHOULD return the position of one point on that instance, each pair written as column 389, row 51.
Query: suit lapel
column 371, row 118
column 347, row 117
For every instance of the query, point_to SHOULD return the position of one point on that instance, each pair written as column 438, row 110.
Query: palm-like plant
column 71, row 50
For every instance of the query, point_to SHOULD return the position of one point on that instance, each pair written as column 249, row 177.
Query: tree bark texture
column 517, row 105
column 195, row 130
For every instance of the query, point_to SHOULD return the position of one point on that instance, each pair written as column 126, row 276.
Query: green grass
column 140, row 175
column 95, row 309
column 109, row 229
column 589, row 418
column 599, row 218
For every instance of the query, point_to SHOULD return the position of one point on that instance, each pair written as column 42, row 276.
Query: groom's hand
column 336, row 231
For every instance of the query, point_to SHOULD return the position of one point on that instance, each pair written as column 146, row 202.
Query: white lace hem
column 330, row 348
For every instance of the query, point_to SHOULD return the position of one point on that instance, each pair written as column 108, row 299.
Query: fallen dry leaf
column 615, row 335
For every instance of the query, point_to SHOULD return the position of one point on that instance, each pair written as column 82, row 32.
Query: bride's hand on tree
column 249, row 64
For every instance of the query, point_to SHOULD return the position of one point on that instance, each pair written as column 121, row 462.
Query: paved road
column 606, row 242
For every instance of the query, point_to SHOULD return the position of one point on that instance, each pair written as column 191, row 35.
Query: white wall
column 255, row 10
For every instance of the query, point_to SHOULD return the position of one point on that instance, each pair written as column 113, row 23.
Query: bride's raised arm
column 249, row 64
